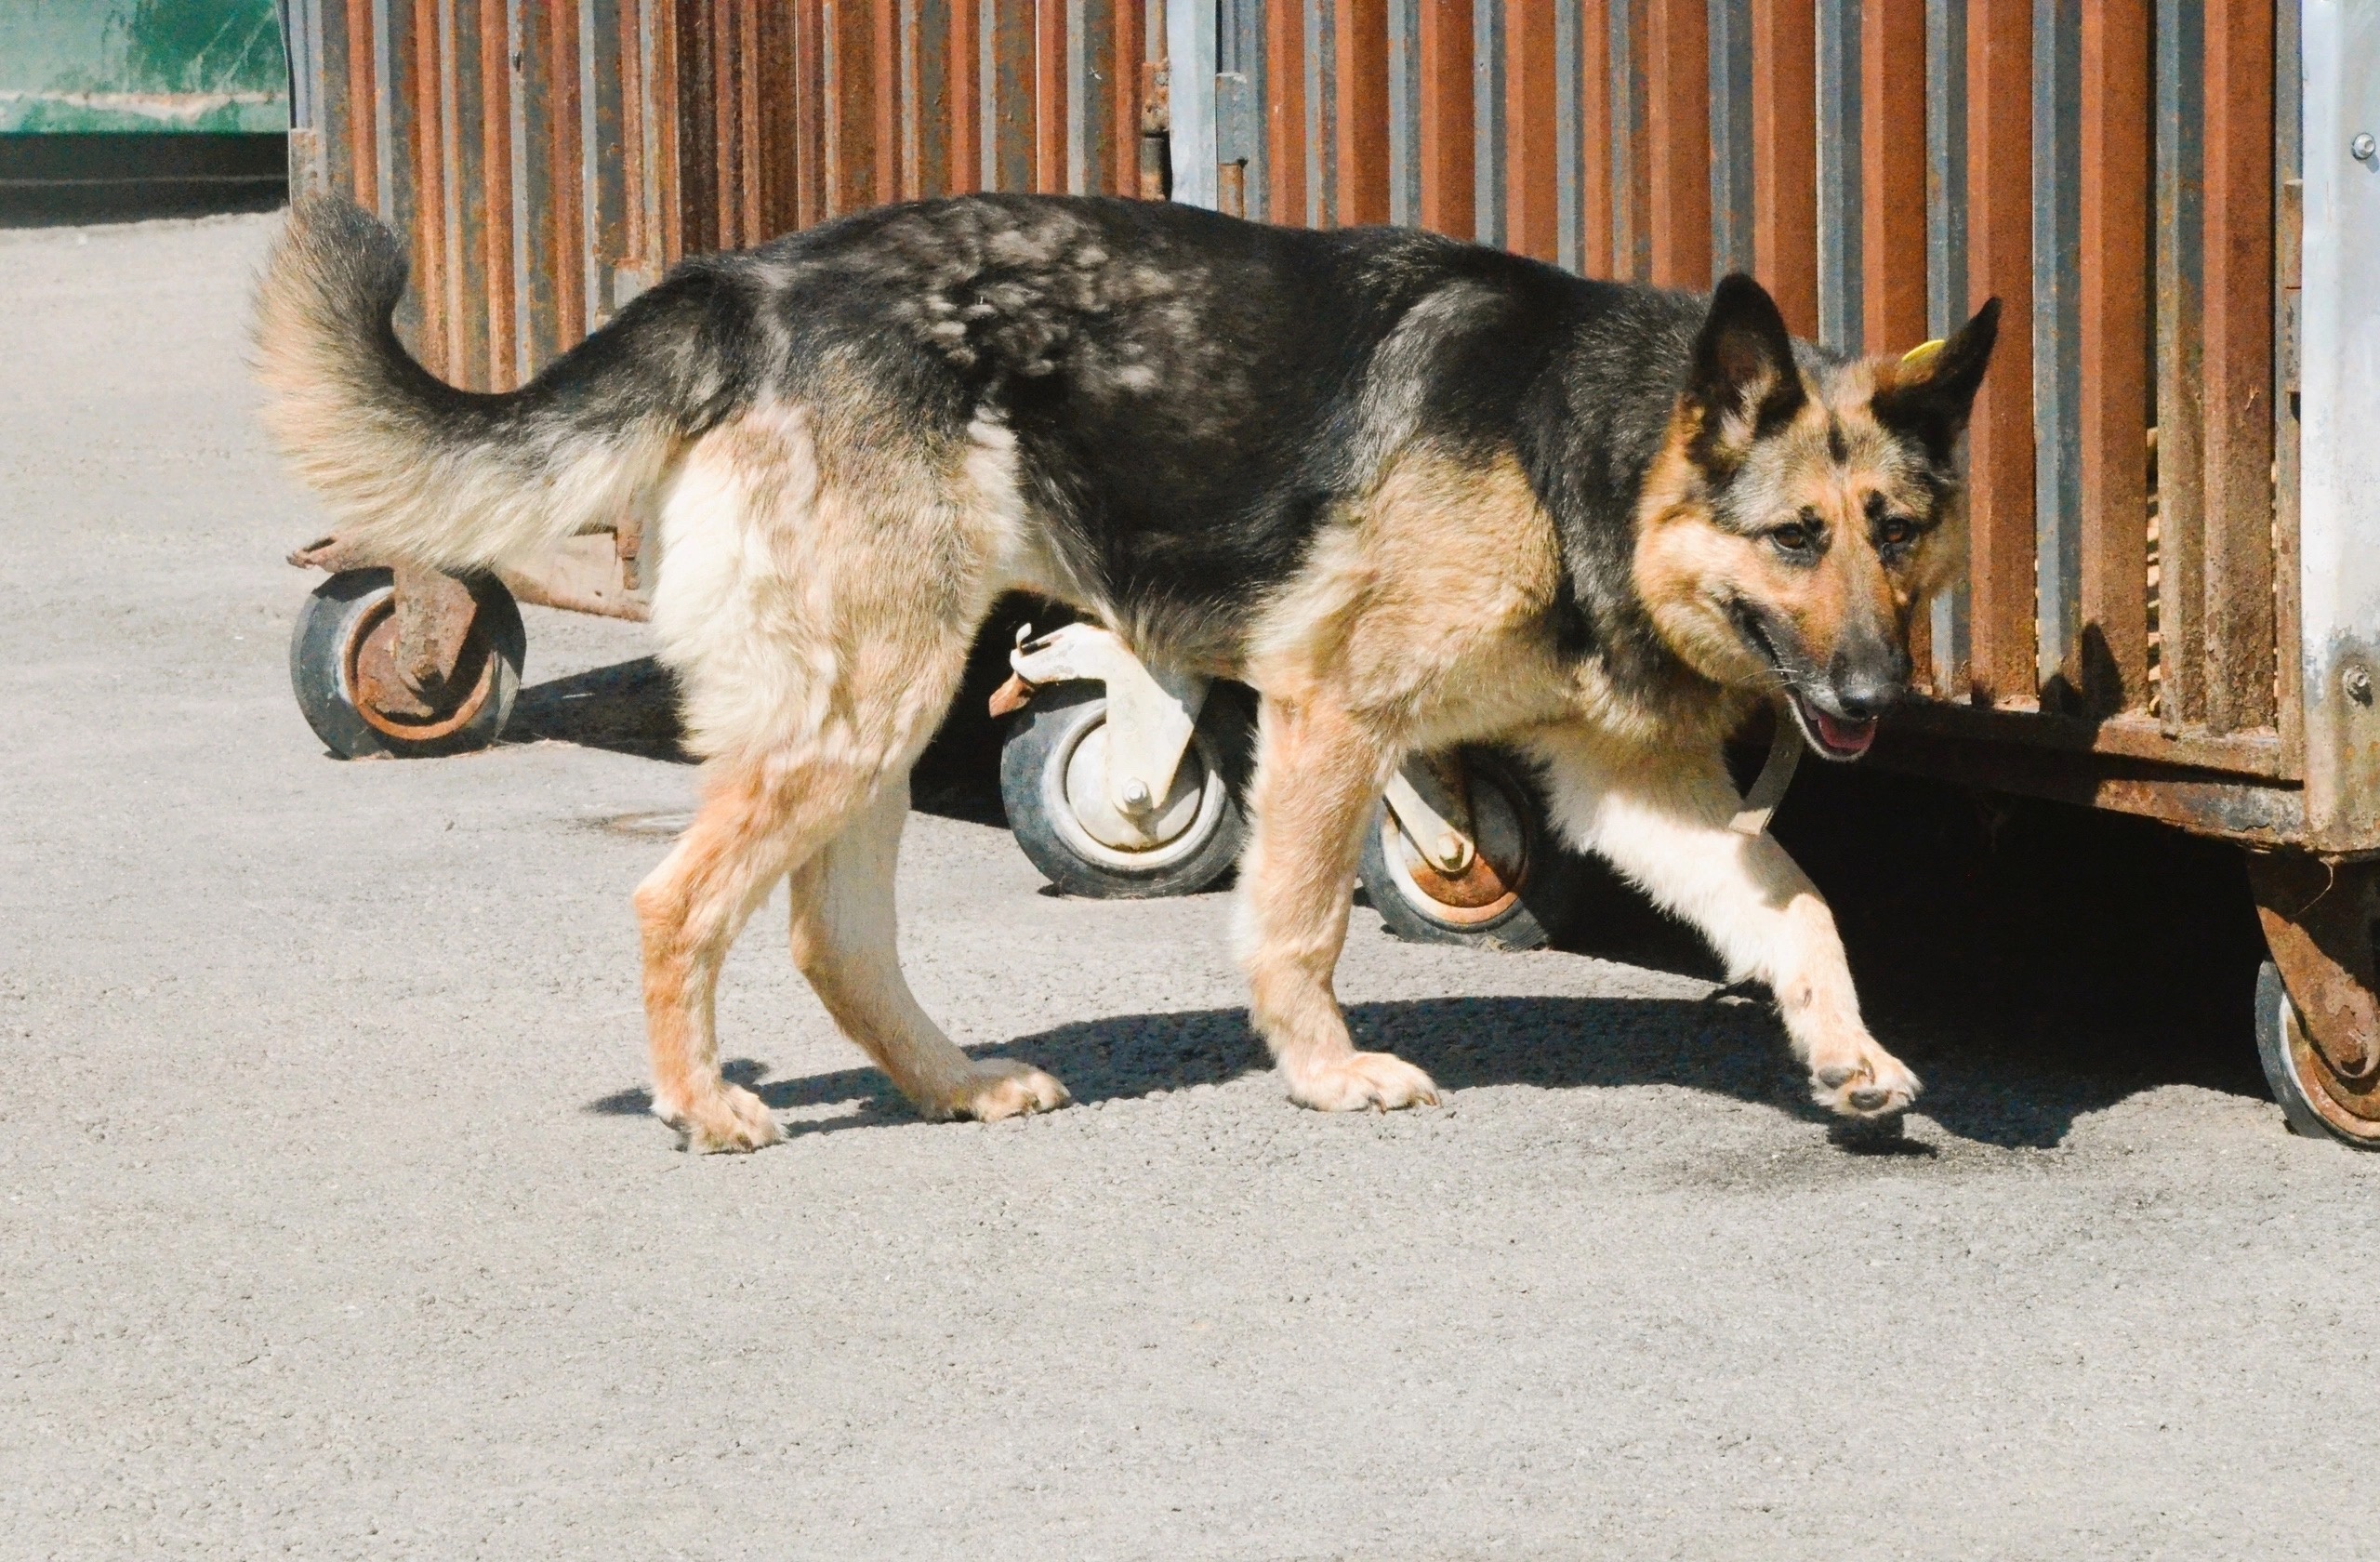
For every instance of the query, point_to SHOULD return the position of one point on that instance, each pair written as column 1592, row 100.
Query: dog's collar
column 1775, row 775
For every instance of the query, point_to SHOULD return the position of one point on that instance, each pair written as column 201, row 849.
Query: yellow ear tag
column 1922, row 355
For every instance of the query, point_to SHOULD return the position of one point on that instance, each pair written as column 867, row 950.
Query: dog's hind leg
column 1663, row 821
column 1319, row 774
column 844, row 939
column 821, row 583
column 757, row 820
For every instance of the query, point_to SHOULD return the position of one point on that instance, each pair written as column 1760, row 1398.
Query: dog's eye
column 1795, row 539
column 1897, row 532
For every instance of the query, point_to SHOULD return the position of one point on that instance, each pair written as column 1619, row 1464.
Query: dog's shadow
column 627, row 707
column 2032, row 963
column 1726, row 1046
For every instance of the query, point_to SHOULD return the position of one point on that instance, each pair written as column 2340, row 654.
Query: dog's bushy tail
column 416, row 471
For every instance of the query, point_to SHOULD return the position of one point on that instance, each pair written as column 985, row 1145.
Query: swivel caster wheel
column 357, row 681
column 1053, row 780
column 2318, row 1021
column 1464, row 853
column 2316, row 1103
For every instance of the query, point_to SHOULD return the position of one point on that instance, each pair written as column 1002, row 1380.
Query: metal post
column 1190, row 45
column 2339, row 402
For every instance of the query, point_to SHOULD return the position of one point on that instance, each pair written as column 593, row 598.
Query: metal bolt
column 2363, row 149
column 2358, row 684
column 1136, row 794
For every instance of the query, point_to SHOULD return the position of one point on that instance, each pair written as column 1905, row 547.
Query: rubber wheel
column 354, row 615
column 1520, row 891
column 1053, row 780
column 2289, row 1067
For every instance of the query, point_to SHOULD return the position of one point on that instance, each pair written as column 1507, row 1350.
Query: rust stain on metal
column 2000, row 263
column 330, row 553
column 1892, row 171
column 416, row 670
column 636, row 134
column 1012, row 695
column 1157, row 130
column 2251, row 811
column 2109, row 667
column 1784, row 140
column 1448, row 128
column 2237, row 375
column 1532, row 161
column 1361, row 107
column 2318, row 920
column 1677, row 126
column 433, row 617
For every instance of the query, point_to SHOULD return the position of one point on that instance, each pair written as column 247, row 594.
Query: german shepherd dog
column 1416, row 493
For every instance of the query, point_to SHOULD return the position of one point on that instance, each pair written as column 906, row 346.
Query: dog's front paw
column 1379, row 1080
column 728, row 1118
column 997, row 1088
column 1863, row 1081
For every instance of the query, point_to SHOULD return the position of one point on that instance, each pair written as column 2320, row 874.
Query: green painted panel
column 197, row 65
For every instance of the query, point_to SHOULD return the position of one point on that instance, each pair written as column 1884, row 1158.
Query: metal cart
column 2173, row 601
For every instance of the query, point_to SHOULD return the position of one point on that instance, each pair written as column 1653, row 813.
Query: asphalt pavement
column 336, row 1226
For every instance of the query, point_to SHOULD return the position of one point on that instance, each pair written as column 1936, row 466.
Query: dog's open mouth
column 1836, row 737
column 1831, row 735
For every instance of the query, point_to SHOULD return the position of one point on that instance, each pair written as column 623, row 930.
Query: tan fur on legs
column 845, row 940
column 1318, row 773
column 1662, row 819
column 755, row 820
column 822, row 583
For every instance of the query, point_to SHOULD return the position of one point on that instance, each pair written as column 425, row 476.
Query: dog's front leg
column 1318, row 773
column 1662, row 820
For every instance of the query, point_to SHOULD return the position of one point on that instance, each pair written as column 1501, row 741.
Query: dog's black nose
column 1864, row 701
column 1868, row 683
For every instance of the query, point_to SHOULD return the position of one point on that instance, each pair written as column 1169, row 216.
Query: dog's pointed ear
column 1743, row 382
column 1928, row 395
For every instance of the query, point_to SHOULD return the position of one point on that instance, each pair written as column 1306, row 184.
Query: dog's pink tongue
column 1845, row 737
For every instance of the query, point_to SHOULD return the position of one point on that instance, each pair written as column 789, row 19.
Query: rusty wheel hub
column 1497, row 869
column 2320, row 919
column 426, row 686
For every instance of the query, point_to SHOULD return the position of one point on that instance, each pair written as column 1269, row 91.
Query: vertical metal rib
column 1632, row 232
column 301, row 31
column 1239, row 107
column 1405, row 111
column 1840, row 302
column 1487, row 112
column 2236, row 362
column 447, row 218
column 988, row 95
column 532, row 274
column 1321, row 114
column 384, row 119
column 1190, row 45
column 1082, row 99
column 1731, row 143
column 1946, row 165
column 1571, row 150
column 2058, row 364
column 1946, row 264
column 2180, row 200
column 2289, row 167
column 590, row 245
column 1256, row 64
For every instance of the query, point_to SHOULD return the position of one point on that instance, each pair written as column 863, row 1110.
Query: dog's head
column 1801, row 513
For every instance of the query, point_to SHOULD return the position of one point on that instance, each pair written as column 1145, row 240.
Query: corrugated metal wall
column 2112, row 169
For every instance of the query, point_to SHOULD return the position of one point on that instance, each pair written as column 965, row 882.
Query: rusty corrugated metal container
column 2173, row 601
